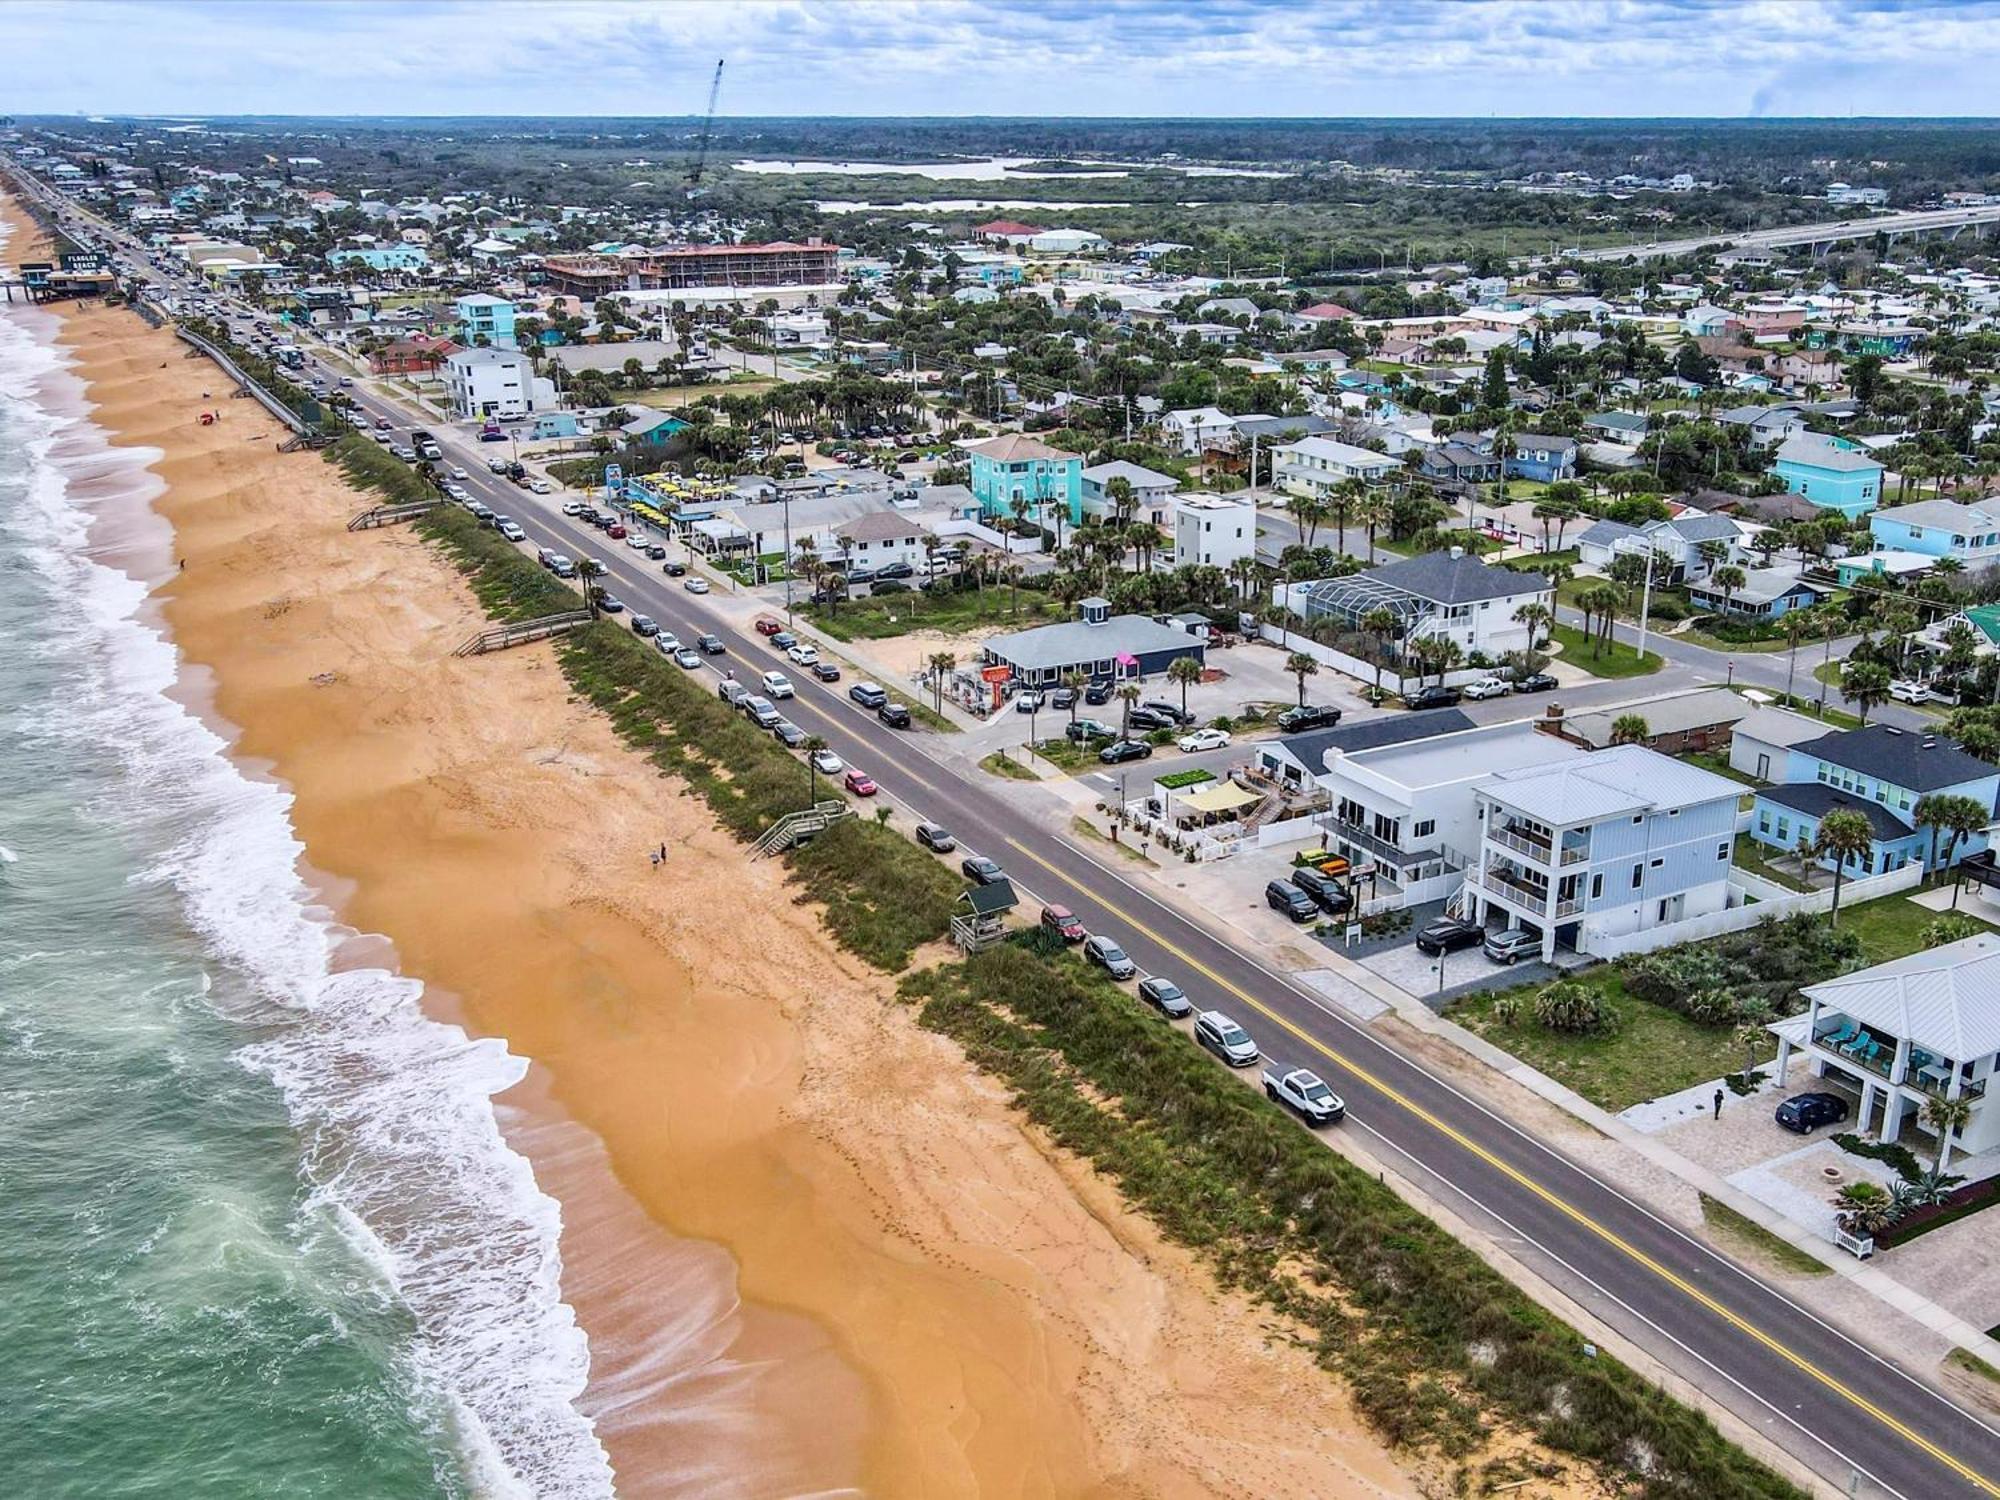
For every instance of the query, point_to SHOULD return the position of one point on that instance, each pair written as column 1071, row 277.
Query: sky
column 1190, row 58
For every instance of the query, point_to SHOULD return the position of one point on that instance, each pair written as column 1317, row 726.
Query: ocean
column 261, row 1232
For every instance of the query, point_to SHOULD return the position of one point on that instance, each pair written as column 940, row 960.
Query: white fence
column 1354, row 666
column 966, row 526
column 1771, row 901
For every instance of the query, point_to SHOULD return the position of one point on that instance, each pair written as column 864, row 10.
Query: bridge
column 1950, row 222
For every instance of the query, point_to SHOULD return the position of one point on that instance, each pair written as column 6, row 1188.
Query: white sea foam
column 394, row 1110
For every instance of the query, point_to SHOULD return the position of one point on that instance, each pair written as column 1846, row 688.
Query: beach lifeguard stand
column 981, row 918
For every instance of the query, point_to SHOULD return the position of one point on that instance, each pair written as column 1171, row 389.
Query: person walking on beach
column 663, row 854
column 655, row 857
column 1718, row 1104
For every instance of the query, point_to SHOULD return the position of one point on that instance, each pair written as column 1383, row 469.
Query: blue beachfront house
column 484, row 317
column 1831, row 472
column 1881, row 772
column 1939, row 528
column 1015, row 466
column 382, row 258
column 1537, row 456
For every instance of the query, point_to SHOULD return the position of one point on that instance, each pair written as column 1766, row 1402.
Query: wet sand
column 812, row 1249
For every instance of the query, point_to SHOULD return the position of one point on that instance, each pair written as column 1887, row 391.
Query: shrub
column 1574, row 1008
column 1952, row 927
column 1761, row 966
column 1668, row 609
column 1508, row 1009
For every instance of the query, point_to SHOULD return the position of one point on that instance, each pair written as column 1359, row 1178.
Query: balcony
column 1537, row 849
column 1534, row 897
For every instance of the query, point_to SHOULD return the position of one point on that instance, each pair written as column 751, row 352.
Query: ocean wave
column 393, row 1110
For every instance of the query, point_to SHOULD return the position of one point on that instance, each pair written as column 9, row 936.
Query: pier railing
column 521, row 632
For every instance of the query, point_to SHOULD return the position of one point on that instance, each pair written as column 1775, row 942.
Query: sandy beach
column 813, row 1251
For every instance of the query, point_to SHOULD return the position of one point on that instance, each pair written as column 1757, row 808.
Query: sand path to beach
column 812, row 1249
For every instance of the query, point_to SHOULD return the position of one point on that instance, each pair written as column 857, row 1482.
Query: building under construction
column 688, row 266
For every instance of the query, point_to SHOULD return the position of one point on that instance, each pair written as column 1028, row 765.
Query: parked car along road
column 935, row 838
column 1108, row 956
column 980, row 870
column 1215, row 1032
column 1063, row 922
column 1448, row 935
column 1165, row 996
column 1305, row 1093
column 1487, row 687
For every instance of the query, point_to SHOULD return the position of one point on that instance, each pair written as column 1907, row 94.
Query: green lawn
column 884, row 615
column 1654, row 1051
column 1717, row 643
column 1716, row 761
column 1615, row 659
column 1749, row 855
column 1889, row 926
column 999, row 765
column 1747, row 1234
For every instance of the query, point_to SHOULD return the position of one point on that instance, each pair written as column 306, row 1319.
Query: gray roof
column 1444, row 579
column 1811, row 448
column 1074, row 642
column 1704, row 528
column 1816, row 801
column 1523, row 441
column 1943, row 514
column 1310, row 749
column 1760, row 586
column 1702, row 709
column 1604, row 533
column 1267, row 428
column 1618, row 421
column 1136, row 475
column 1902, row 757
column 1607, row 783
column 1778, row 726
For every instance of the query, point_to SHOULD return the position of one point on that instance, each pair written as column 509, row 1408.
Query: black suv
column 1448, row 935
column 1172, row 713
column 1431, row 697
column 1308, row 716
column 895, row 715
column 1289, row 899
column 1805, row 1113
column 1327, row 893
column 1145, row 717
column 1098, row 693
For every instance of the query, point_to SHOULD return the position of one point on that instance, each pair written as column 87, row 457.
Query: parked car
column 645, row 625
column 803, row 652
column 611, row 604
column 1327, row 893
column 935, row 838
column 1098, row 693
column 1305, row 1093
column 615, row 531
column 1487, row 687
column 1173, row 713
column 655, row 552
column 980, row 870
column 1536, row 682
column 826, row 671
column 762, row 711
column 1108, row 956
column 1805, row 1113
column 1165, row 996
column 573, row 507
column 1064, row 923
column 1083, row 730
column 1028, row 702
column 1448, row 935
column 732, row 692
column 711, row 645
column 1905, row 691
column 1308, row 716
column 687, row 657
column 1228, row 1041
column 869, row 694
column 1119, row 751
column 860, row 783
column 827, row 763
column 789, row 734
column 1510, row 945
column 1062, row 698
column 1431, row 697
column 778, row 685
column 784, row 640
column 1147, row 719
column 541, row 487
column 895, row 715
column 695, row 584
column 1205, row 739
column 1283, row 896
column 674, row 569
column 512, row 532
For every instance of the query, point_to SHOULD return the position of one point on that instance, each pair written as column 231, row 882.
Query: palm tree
column 1797, row 623
column 1538, row 618
column 1013, row 571
column 1866, row 1208
column 1302, row 666
column 1076, row 680
column 940, row 663
column 1186, row 671
column 1127, row 696
column 1729, row 578
column 1381, row 625
column 1630, row 729
column 1946, row 1117
column 1346, row 495
column 588, row 570
column 1844, row 834
column 1867, row 683
column 1124, row 503
column 1374, row 512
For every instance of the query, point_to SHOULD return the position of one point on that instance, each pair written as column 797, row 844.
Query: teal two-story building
column 1831, row 472
column 1016, row 467
column 484, row 319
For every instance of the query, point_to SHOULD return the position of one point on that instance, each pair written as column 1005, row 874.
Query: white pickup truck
column 1305, row 1093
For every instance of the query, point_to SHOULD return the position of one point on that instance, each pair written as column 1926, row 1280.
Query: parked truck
column 1305, row 1094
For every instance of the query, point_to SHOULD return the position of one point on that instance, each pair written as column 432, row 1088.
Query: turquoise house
column 1015, row 467
column 1831, row 472
column 485, row 319
column 1940, row 528
column 382, row 258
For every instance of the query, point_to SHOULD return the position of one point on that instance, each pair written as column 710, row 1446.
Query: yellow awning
column 1221, row 799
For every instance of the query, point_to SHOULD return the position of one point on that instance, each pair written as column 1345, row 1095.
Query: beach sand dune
column 813, row 1250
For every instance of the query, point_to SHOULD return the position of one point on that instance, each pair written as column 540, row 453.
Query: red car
column 1063, row 922
column 615, row 532
column 768, row 626
column 860, row 784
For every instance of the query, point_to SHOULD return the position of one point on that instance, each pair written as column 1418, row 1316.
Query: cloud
column 1256, row 58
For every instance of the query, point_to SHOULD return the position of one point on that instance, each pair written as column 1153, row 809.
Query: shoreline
column 874, row 1276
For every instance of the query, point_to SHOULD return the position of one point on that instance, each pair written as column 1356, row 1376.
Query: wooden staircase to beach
column 796, row 827
column 389, row 515
column 521, row 632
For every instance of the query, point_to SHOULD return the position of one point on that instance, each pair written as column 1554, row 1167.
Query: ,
column 1447, row 935
column 1108, row 956
column 934, row 837
column 980, row 870
column 1805, row 1113
column 1166, row 997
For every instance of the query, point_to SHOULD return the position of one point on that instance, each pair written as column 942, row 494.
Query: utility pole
column 1646, row 600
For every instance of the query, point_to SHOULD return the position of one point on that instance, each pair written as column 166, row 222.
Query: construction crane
column 707, row 129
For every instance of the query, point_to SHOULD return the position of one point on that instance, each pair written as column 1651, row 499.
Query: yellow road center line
column 1547, row 1195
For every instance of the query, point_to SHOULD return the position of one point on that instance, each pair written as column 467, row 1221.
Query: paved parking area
column 1438, row 980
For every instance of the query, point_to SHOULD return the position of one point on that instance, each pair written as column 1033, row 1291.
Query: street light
column 1732, row 673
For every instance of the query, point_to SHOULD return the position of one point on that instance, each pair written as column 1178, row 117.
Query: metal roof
column 1943, row 999
column 1607, row 783
column 1454, row 578
column 1815, row 801
column 1075, row 641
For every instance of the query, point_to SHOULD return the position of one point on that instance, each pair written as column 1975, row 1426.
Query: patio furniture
column 1937, row 1073
column 1833, row 1041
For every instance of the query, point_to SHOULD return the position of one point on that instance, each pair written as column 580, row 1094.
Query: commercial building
column 1099, row 644
column 780, row 263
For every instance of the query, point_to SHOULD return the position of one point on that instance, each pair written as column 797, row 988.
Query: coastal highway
column 1851, row 1416
column 1857, row 1420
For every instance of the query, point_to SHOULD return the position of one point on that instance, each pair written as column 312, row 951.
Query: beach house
column 1940, row 528
column 484, row 319
column 1015, row 467
column 1831, row 472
